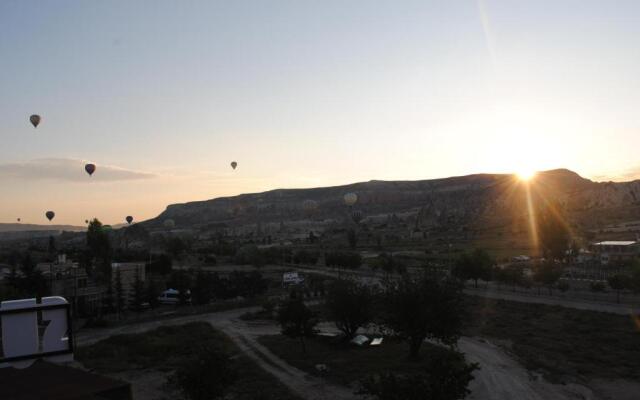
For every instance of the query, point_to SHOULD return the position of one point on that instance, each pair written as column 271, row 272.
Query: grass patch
column 165, row 348
column 560, row 341
column 348, row 364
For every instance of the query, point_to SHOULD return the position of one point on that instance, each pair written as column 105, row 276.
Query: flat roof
column 616, row 243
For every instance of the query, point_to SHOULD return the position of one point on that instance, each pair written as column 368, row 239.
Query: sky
column 163, row 95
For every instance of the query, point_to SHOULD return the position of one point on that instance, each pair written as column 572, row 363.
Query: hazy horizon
column 303, row 94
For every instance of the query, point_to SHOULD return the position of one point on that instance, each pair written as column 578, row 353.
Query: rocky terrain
column 473, row 202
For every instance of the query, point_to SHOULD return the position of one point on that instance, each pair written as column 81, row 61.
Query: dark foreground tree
column 445, row 375
column 350, row 305
column 429, row 306
column 208, row 377
column 296, row 320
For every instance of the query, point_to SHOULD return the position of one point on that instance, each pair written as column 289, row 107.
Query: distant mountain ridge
column 10, row 227
column 465, row 201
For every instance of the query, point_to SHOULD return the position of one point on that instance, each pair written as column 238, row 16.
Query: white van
column 171, row 296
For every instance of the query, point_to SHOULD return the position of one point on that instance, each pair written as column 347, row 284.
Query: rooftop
column 616, row 243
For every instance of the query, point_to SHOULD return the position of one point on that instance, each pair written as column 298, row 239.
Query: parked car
column 172, row 296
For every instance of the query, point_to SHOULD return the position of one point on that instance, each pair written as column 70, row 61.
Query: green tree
column 350, row 305
column 618, row 282
column 563, row 286
column 181, row 281
column 474, row 265
column 444, row 375
column 634, row 282
column 100, row 249
column 152, row 293
column 352, row 238
column 137, row 293
column 553, row 231
column 343, row 259
column 208, row 377
column 427, row 306
column 203, row 287
column 27, row 281
column 296, row 320
column 547, row 274
column 162, row 265
column 597, row 287
column 176, row 247
column 118, row 292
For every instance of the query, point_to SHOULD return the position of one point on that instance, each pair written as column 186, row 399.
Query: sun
column 526, row 174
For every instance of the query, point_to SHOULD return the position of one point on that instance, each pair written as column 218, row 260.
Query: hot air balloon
column 350, row 199
column 90, row 168
column 35, row 120
column 18, row 219
column 86, row 221
column 50, row 215
column 309, row 205
column 169, row 223
column 234, row 164
column 129, row 219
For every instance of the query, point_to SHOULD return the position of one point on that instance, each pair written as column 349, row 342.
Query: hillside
column 473, row 202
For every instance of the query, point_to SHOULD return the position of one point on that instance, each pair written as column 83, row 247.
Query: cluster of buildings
column 67, row 279
column 615, row 251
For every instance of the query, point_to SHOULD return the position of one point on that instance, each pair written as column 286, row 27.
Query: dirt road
column 500, row 376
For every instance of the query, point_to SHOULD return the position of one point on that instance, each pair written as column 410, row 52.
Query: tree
column 27, row 281
column 428, row 306
column 207, row 377
column 152, row 293
column 296, row 320
column 305, row 257
column 161, row 265
column 118, row 292
column 352, row 238
column 137, row 293
column 634, row 283
column 474, row 265
column 175, row 246
column 553, row 232
column 203, row 287
column 445, row 375
column 547, row 274
column 181, row 281
column 350, row 305
column 100, row 249
column 597, row 287
column 618, row 282
column 343, row 259
column 563, row 286
column 51, row 248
